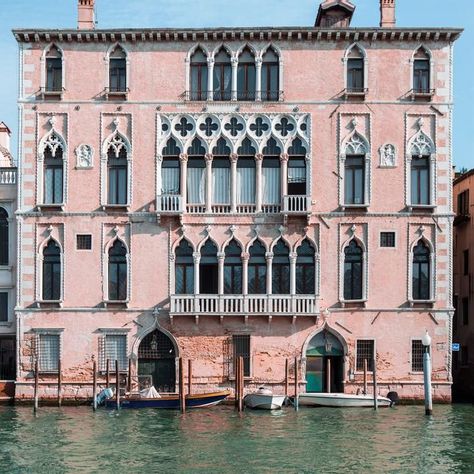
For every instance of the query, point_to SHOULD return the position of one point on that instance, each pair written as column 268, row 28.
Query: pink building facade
column 269, row 193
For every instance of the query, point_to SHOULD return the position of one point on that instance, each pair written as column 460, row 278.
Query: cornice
column 238, row 34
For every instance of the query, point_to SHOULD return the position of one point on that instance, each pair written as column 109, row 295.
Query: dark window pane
column 118, row 75
column 4, row 237
column 353, row 272
column 387, row 239
column 354, row 180
column 241, row 344
column 365, row 351
column 421, row 272
column 54, row 74
column 117, row 272
column 51, row 272
column 3, row 306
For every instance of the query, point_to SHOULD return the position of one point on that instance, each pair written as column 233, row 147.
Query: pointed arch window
column 270, row 87
column 221, row 173
column 297, row 169
column 117, row 271
column 257, row 269
column 199, row 75
column 4, row 237
column 246, row 173
column 208, row 269
column 353, row 271
column 355, row 70
column 271, row 173
column 246, row 75
column 118, row 70
column 281, row 269
column 184, row 269
column 421, row 170
column 305, row 269
column 233, row 269
column 421, row 72
column 53, row 170
column 421, row 272
column 355, row 172
column 54, row 70
column 51, row 272
column 196, row 176
column 222, row 76
column 117, row 169
column 170, row 169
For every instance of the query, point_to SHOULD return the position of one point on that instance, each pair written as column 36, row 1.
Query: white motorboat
column 342, row 400
column 264, row 399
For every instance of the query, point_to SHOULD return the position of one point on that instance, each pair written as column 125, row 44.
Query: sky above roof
column 215, row 13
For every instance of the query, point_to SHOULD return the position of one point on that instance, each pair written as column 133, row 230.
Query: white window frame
column 432, row 298
column 110, row 50
column 365, row 270
column 39, row 272
column 396, row 239
column 76, row 234
column 107, row 332
column 345, row 61
column 432, row 69
column 44, row 56
column 105, row 273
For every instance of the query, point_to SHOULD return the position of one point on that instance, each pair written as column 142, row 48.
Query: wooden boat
column 170, row 401
column 342, row 400
column 264, row 399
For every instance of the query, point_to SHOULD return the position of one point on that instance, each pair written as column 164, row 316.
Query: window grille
column 417, row 355
column 387, row 239
column 4, row 306
column 238, row 346
column 84, row 242
column 114, row 347
column 48, row 352
column 365, row 350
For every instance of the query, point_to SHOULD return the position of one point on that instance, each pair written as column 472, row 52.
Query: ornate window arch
column 306, row 268
column 53, row 66
column 222, row 74
column 233, row 268
column 51, row 257
column 117, row 61
column 117, row 271
column 422, row 71
column 52, row 169
column 184, row 268
column 353, row 281
column 421, row 264
column 356, row 68
column 246, row 74
column 116, row 170
column 281, row 268
column 271, row 74
column 355, row 169
column 198, row 73
column 257, row 268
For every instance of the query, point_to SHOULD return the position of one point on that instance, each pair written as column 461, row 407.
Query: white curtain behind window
column 196, row 185
column 170, row 181
column 271, row 185
column 221, row 185
column 246, row 185
column 296, row 175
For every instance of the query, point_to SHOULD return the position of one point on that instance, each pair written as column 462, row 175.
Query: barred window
column 241, row 346
column 365, row 351
column 387, row 239
column 114, row 348
column 417, row 355
column 48, row 352
column 84, row 242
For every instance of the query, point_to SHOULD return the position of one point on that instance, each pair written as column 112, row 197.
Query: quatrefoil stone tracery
column 183, row 127
column 259, row 127
column 208, row 127
column 284, row 127
column 233, row 126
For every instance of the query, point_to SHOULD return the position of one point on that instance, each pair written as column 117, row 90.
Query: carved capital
column 234, row 157
column 210, row 61
column 245, row 257
column 259, row 157
column 293, row 256
column 208, row 157
column 159, row 158
column 234, row 61
column 284, row 157
column 183, row 157
column 258, row 61
column 221, row 256
column 269, row 255
column 196, row 257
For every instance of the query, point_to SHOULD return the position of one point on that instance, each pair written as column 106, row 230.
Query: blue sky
column 213, row 13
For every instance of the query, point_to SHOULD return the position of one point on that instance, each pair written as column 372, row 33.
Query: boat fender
column 393, row 397
column 104, row 395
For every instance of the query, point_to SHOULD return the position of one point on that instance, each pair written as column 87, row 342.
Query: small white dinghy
column 264, row 399
column 342, row 400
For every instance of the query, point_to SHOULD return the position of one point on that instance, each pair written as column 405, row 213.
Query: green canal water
column 313, row 440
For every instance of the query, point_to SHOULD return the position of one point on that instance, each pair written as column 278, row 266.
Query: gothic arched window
column 184, row 269
column 421, row 72
column 222, row 75
column 51, row 272
column 271, row 173
column 53, row 170
column 246, row 75
column 305, row 269
column 257, row 269
column 353, row 271
column 355, row 171
column 281, row 269
column 199, row 75
column 297, row 169
column 170, row 169
column 246, row 173
column 355, row 70
column 196, row 175
column 421, row 272
column 117, row 271
column 54, row 70
column 221, row 173
column 233, row 269
column 118, row 70
column 117, row 166
column 208, row 269
column 270, row 86
column 4, row 237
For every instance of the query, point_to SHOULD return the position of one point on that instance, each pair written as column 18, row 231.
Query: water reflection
column 220, row 440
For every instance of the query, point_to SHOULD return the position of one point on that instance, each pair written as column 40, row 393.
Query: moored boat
column 264, row 399
column 170, row 401
column 342, row 400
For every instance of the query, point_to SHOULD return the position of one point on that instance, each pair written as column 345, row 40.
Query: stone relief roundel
column 84, row 155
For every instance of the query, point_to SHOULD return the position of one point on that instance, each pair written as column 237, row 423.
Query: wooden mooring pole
column 129, row 379
column 328, row 376
column 36, row 402
column 117, row 384
column 190, row 376
column 375, row 382
column 287, row 377
column 296, row 383
column 94, row 385
column 182, row 395
column 60, row 383
column 237, row 379
column 107, row 373
column 365, row 376
column 241, row 384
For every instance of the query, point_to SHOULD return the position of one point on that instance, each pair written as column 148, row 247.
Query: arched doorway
column 157, row 357
column 324, row 363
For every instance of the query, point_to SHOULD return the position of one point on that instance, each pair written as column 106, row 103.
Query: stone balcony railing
column 170, row 204
column 296, row 205
column 244, row 305
column 7, row 175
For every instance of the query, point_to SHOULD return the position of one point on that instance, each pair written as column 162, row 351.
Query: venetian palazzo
column 269, row 193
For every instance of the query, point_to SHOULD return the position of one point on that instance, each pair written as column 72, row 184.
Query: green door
column 314, row 374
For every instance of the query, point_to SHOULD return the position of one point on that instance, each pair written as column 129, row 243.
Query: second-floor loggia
column 222, row 182
column 244, row 283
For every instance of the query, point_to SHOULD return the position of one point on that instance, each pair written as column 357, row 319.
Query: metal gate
column 7, row 359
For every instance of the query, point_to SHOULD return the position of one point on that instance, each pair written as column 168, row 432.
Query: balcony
column 116, row 93
column 422, row 94
column 296, row 205
column 7, row 176
column 355, row 92
column 52, row 93
column 169, row 204
column 227, row 96
column 244, row 305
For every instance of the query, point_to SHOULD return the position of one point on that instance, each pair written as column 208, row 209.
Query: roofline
column 465, row 175
column 297, row 33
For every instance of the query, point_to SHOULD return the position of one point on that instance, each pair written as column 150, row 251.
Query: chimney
column 387, row 13
column 85, row 15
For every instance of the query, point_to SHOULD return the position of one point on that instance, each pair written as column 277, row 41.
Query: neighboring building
column 209, row 193
column 463, row 327
column 8, row 193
